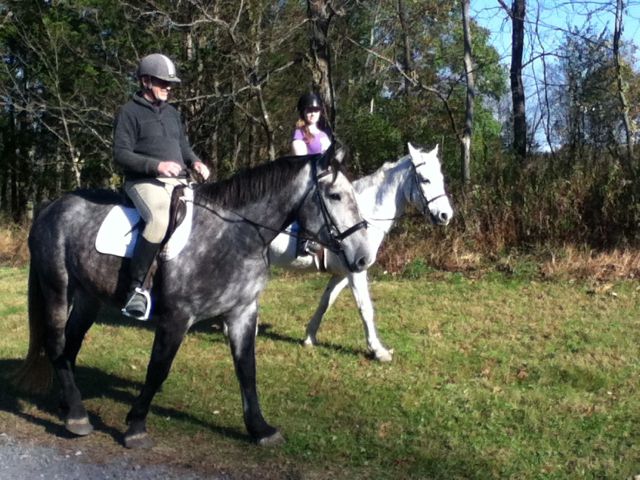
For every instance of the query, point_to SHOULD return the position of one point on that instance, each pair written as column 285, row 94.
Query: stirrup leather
column 145, row 293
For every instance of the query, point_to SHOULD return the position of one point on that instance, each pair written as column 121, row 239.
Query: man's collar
column 141, row 99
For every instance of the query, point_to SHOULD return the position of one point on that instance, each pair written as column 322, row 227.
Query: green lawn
column 492, row 378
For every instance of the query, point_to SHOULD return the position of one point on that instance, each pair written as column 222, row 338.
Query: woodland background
column 389, row 72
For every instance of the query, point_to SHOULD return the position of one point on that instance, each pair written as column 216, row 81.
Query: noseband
column 335, row 236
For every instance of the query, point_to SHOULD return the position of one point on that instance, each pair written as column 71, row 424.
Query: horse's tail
column 35, row 375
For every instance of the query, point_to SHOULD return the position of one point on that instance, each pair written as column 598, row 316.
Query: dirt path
column 21, row 460
column 34, row 445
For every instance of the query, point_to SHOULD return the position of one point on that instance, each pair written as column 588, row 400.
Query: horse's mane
column 375, row 178
column 252, row 184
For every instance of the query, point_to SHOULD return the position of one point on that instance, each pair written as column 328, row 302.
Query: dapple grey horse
column 220, row 272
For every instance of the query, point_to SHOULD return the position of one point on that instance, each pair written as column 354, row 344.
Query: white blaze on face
column 431, row 183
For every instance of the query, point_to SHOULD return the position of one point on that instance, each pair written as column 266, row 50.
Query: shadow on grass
column 265, row 330
column 93, row 383
column 214, row 326
column 109, row 315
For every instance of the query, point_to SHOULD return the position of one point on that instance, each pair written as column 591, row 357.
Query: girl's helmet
column 308, row 100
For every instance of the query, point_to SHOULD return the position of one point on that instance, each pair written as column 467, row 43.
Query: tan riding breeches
column 152, row 198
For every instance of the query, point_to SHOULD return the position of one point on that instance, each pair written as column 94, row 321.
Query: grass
column 500, row 376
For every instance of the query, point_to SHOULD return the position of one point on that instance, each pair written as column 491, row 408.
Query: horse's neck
column 382, row 196
column 265, row 217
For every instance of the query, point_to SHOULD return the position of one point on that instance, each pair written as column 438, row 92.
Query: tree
column 468, row 69
column 320, row 14
column 517, row 14
column 61, row 108
column 589, row 117
column 391, row 72
column 620, row 83
column 423, row 100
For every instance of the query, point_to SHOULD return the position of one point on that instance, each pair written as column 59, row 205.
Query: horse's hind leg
column 83, row 314
column 56, row 308
column 334, row 287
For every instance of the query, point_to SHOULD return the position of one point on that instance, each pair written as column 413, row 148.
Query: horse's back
column 69, row 221
column 81, row 205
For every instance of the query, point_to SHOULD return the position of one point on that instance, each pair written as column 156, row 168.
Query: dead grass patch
column 13, row 245
column 441, row 248
column 584, row 263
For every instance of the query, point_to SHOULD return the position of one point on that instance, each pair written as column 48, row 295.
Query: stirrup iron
column 145, row 294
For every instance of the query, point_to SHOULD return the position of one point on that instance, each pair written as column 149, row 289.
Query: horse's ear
column 338, row 159
column 414, row 152
column 338, row 162
column 326, row 160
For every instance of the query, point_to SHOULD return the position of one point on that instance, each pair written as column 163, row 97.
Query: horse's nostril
column 444, row 216
column 361, row 264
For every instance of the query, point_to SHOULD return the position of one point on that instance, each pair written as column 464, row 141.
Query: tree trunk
column 320, row 18
column 628, row 129
column 468, row 69
column 406, row 47
column 517, row 87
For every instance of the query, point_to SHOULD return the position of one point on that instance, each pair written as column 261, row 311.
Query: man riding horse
column 151, row 146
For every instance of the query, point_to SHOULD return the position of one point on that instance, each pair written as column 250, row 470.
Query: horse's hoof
column 310, row 342
column 138, row 441
column 272, row 440
column 384, row 355
column 78, row 426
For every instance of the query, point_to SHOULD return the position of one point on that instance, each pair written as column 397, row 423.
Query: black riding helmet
column 308, row 100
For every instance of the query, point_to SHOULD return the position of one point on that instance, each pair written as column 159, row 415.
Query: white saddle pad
column 120, row 229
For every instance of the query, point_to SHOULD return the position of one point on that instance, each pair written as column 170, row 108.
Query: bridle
column 424, row 200
column 335, row 235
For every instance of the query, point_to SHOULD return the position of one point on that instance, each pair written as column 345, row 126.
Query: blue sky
column 553, row 19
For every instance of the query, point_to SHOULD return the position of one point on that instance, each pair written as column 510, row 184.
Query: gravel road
column 21, row 461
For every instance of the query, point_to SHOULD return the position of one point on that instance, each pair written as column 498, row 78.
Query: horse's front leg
column 334, row 287
column 169, row 335
column 242, row 340
column 360, row 289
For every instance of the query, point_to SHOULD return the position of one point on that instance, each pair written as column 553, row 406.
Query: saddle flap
column 119, row 230
column 122, row 225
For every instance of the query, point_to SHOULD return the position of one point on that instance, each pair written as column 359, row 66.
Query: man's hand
column 169, row 168
column 202, row 169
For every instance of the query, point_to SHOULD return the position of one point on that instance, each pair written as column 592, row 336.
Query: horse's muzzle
column 441, row 218
column 360, row 264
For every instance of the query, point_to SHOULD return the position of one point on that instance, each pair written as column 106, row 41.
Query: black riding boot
column 139, row 303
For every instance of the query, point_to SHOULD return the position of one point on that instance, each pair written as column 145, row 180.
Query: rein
column 335, row 236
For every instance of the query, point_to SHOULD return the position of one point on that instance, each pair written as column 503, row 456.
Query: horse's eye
column 425, row 180
column 335, row 196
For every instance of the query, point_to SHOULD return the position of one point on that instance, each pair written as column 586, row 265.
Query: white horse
column 415, row 178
